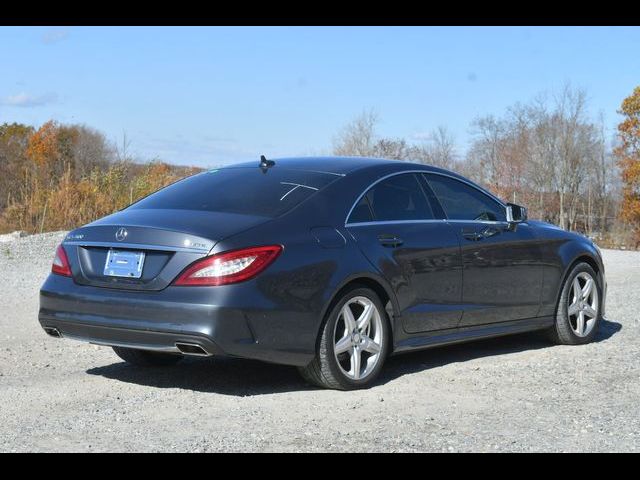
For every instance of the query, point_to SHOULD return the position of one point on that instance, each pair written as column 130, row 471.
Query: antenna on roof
column 264, row 163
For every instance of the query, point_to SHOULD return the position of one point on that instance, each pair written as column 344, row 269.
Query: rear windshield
column 249, row 191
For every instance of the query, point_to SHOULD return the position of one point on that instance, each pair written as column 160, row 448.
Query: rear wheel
column 353, row 343
column 578, row 314
column 145, row 358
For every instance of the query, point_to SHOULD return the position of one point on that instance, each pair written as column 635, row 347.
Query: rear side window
column 361, row 212
column 464, row 202
column 247, row 191
column 397, row 198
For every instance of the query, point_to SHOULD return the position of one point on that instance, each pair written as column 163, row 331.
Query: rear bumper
column 121, row 337
column 220, row 320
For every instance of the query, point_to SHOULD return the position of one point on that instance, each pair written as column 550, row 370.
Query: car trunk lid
column 164, row 241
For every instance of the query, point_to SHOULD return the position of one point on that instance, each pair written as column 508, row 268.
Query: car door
column 502, row 269
column 417, row 251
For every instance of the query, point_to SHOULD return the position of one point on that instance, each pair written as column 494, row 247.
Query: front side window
column 464, row 202
column 397, row 198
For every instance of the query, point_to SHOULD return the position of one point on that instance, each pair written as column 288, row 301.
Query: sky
column 219, row 95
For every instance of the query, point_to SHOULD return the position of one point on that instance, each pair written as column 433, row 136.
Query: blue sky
column 210, row 96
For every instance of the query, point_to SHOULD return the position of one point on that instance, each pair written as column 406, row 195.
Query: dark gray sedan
column 328, row 264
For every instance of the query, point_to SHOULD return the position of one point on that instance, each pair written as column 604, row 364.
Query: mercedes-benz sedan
column 328, row 264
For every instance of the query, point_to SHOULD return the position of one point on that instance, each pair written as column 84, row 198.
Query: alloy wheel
column 358, row 338
column 583, row 304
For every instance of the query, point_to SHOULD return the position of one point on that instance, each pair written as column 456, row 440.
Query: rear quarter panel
column 291, row 297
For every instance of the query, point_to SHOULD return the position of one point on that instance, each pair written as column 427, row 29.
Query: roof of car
column 335, row 165
column 345, row 165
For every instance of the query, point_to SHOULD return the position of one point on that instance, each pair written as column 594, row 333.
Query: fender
column 571, row 252
column 380, row 280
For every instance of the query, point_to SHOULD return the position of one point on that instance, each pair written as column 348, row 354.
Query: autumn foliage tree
column 59, row 176
column 14, row 138
column 628, row 155
column 43, row 145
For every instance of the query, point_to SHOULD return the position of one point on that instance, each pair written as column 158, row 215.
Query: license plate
column 124, row 263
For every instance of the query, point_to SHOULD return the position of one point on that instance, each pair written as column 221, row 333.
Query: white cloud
column 54, row 36
column 27, row 100
column 422, row 136
column 205, row 151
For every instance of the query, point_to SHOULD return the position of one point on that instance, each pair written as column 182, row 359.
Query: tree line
column 58, row 177
column 549, row 154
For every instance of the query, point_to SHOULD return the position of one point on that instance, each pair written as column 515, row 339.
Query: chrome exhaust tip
column 52, row 332
column 192, row 349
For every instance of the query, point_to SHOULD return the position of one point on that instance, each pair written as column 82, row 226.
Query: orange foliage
column 51, row 193
column 628, row 153
column 43, row 144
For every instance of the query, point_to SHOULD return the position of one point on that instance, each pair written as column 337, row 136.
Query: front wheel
column 578, row 315
column 353, row 344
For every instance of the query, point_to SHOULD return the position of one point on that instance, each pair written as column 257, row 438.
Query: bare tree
column 603, row 177
column 442, row 148
column 539, row 169
column 487, row 152
column 549, row 154
column 393, row 149
column 90, row 151
column 575, row 153
column 357, row 138
column 122, row 150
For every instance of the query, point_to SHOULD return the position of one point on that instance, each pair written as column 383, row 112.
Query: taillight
column 60, row 264
column 229, row 267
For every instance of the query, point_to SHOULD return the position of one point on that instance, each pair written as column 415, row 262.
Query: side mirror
column 516, row 213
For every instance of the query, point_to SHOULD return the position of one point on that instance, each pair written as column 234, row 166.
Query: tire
column 566, row 330
column 370, row 343
column 145, row 358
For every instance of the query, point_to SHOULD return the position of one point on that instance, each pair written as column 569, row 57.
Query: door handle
column 471, row 234
column 390, row 240
column 490, row 232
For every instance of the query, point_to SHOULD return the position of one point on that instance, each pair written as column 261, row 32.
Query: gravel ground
column 511, row 394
